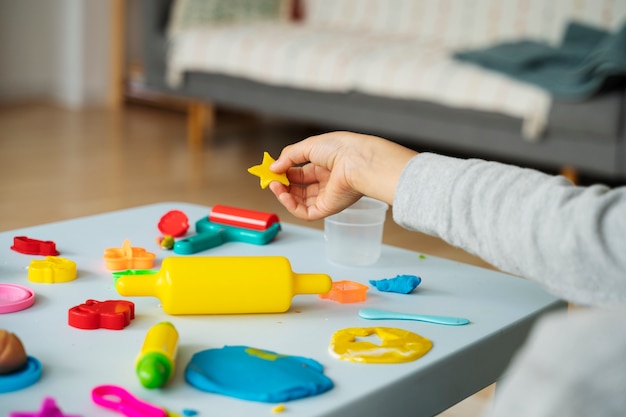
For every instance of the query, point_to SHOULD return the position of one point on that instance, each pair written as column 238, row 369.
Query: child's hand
column 329, row 172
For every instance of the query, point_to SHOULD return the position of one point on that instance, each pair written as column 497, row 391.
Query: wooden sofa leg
column 570, row 173
column 200, row 117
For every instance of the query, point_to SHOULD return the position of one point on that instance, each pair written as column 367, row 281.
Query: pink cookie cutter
column 15, row 297
column 49, row 408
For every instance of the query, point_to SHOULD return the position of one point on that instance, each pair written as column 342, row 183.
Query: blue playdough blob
column 257, row 375
column 402, row 284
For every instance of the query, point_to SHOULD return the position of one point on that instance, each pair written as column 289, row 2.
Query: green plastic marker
column 155, row 363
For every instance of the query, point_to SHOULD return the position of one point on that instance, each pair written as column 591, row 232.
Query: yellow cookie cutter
column 128, row 257
column 52, row 269
column 397, row 345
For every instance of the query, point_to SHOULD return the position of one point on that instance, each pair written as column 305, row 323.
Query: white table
column 463, row 360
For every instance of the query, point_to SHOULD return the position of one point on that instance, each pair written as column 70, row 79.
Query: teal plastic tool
column 210, row 235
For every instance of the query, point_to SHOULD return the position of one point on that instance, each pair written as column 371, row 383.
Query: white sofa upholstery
column 384, row 67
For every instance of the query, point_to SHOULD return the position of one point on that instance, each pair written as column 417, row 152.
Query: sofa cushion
column 281, row 54
column 414, row 70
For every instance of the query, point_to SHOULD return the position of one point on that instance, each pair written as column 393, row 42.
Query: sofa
column 387, row 67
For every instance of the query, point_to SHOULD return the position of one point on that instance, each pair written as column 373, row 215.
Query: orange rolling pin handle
column 247, row 219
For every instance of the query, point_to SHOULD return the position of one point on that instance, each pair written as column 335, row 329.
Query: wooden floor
column 57, row 164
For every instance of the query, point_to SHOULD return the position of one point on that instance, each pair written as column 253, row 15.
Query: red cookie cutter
column 28, row 246
column 110, row 314
column 174, row 223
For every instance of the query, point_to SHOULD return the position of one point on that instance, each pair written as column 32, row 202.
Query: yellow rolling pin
column 155, row 364
column 224, row 284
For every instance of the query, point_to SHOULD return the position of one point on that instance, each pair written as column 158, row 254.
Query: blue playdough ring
column 24, row 377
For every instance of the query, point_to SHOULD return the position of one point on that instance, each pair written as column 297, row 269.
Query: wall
column 55, row 50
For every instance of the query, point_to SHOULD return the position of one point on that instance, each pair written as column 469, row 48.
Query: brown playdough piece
column 12, row 353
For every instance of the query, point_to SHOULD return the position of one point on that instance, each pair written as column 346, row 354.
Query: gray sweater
column 572, row 240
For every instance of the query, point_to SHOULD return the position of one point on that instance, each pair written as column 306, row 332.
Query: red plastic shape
column 174, row 223
column 110, row 314
column 28, row 246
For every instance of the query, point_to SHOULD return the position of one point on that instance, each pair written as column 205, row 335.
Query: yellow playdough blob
column 263, row 172
column 396, row 345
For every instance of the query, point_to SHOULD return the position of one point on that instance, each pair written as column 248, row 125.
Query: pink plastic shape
column 110, row 314
column 128, row 257
column 119, row 399
column 28, row 246
column 346, row 292
column 248, row 219
column 174, row 223
column 15, row 297
column 49, row 408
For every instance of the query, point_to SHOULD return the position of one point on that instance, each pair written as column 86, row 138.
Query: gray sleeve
column 570, row 239
column 572, row 364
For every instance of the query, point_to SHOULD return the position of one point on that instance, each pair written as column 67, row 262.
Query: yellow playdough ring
column 397, row 345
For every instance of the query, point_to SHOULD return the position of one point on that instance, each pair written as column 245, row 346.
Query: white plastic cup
column 354, row 236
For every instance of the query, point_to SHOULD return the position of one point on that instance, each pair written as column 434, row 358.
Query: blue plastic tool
column 375, row 314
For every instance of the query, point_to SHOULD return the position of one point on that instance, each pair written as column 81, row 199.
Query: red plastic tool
column 28, row 246
column 249, row 219
column 174, row 223
column 110, row 314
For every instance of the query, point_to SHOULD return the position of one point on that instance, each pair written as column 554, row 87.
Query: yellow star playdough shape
column 263, row 172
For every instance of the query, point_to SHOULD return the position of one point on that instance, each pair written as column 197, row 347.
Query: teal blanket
column 587, row 60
